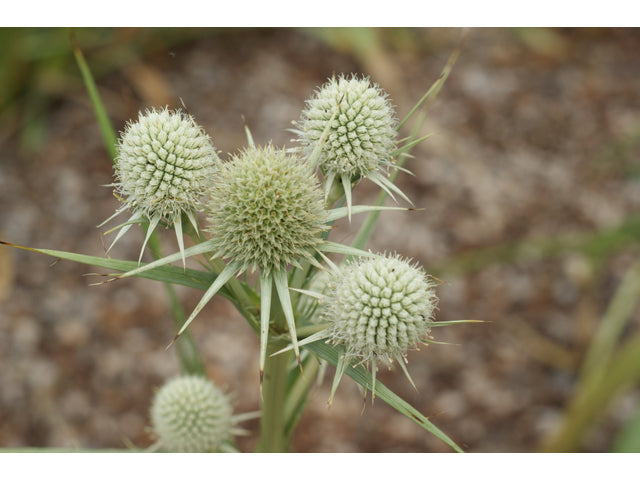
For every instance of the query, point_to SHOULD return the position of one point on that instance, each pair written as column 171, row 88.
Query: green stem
column 272, row 425
column 274, row 388
column 297, row 396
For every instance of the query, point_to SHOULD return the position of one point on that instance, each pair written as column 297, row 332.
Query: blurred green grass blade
column 628, row 440
column 363, row 377
column 109, row 136
column 614, row 321
column 594, row 394
column 607, row 370
column 596, row 245
column 435, row 88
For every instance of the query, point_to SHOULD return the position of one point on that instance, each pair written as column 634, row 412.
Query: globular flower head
column 348, row 129
column 266, row 209
column 361, row 122
column 165, row 163
column 191, row 414
column 379, row 308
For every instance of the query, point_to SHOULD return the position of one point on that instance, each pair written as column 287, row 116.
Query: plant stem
column 274, row 388
column 272, row 423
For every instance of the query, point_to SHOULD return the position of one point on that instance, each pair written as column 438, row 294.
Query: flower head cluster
column 191, row 414
column 266, row 210
column 165, row 164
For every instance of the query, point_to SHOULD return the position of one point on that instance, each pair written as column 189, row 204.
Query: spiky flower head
column 191, row 414
column 165, row 164
column 266, row 210
column 378, row 308
column 361, row 122
column 348, row 129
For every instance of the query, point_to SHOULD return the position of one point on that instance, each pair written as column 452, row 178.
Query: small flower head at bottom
column 379, row 308
column 191, row 414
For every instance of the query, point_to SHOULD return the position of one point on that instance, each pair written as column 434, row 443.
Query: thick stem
column 272, row 423
column 274, row 388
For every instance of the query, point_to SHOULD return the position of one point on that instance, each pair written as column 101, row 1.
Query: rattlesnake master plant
column 165, row 164
column 191, row 414
column 348, row 129
column 267, row 211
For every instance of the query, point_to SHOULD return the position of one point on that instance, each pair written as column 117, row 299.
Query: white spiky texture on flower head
column 191, row 414
column 348, row 129
column 379, row 308
column 362, row 134
column 266, row 209
column 165, row 164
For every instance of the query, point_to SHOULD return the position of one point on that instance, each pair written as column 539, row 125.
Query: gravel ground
column 524, row 130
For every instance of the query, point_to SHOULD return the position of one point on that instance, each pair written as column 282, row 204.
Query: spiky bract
column 380, row 307
column 266, row 210
column 191, row 414
column 361, row 135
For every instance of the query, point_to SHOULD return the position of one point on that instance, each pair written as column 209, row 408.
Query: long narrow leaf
column 198, row 249
column 106, row 129
column 342, row 212
column 360, row 375
column 168, row 273
column 615, row 320
column 432, row 92
column 368, row 225
column 594, row 394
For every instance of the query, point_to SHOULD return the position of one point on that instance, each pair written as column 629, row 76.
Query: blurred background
column 529, row 189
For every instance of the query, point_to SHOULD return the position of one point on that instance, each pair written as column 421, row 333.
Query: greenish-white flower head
column 266, row 210
column 361, row 122
column 165, row 164
column 191, row 414
column 348, row 129
column 380, row 307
